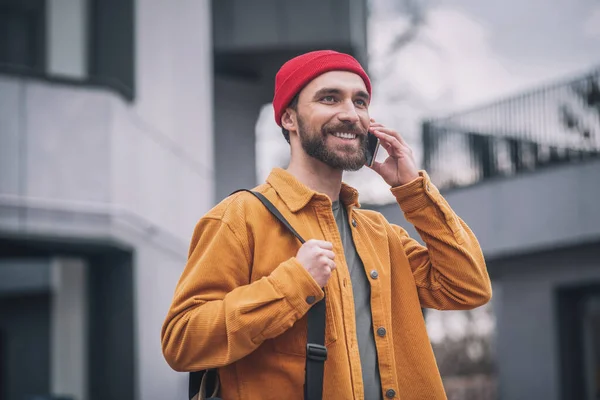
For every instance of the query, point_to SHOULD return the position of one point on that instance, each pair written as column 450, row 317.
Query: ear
column 288, row 120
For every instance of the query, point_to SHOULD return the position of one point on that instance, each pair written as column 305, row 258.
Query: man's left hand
column 400, row 167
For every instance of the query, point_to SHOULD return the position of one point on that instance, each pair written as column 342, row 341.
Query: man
column 241, row 303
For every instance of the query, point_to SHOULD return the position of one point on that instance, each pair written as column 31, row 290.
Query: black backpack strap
column 211, row 383
column 274, row 211
column 194, row 383
column 316, row 352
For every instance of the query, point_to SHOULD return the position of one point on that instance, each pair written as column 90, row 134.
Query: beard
column 347, row 157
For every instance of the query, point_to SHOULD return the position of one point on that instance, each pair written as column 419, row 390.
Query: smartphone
column 372, row 148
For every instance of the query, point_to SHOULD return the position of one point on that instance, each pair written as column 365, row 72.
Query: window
column 579, row 334
column 77, row 41
column 591, row 338
column 22, row 28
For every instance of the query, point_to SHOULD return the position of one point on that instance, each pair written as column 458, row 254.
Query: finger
column 388, row 141
column 322, row 244
column 381, row 134
column 324, row 260
column 390, row 133
column 391, row 150
column 329, row 254
column 383, row 138
column 376, row 166
column 332, row 265
column 391, row 144
column 393, row 133
column 387, row 146
column 375, row 126
column 325, row 245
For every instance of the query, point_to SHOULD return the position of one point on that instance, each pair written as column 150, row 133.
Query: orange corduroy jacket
column 241, row 302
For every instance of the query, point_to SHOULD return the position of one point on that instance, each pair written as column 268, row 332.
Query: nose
column 348, row 113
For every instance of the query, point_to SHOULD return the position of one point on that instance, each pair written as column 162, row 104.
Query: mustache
column 345, row 127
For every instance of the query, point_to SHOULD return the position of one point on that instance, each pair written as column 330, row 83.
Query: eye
column 328, row 99
column 361, row 102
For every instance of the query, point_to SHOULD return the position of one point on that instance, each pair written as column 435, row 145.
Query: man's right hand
column 316, row 256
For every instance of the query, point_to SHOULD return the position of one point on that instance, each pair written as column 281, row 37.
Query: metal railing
column 556, row 124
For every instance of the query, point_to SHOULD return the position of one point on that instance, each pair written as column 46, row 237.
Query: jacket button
column 374, row 274
column 310, row 299
column 354, row 223
column 390, row 393
column 381, row 331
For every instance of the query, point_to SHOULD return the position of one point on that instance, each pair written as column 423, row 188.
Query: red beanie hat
column 299, row 71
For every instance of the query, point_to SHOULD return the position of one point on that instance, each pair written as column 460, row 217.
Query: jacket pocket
column 452, row 221
column 293, row 340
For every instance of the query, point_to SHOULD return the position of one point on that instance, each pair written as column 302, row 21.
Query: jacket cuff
column 416, row 194
column 297, row 285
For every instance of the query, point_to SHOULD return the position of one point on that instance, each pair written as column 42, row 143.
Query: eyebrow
column 328, row 91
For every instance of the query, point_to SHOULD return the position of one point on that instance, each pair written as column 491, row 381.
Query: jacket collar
column 296, row 195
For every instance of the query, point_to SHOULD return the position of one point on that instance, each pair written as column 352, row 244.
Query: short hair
column 294, row 106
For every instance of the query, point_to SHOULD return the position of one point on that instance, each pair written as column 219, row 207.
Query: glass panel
column 66, row 38
column 16, row 42
column 592, row 347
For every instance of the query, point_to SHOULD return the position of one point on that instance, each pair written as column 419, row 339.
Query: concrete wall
column 549, row 208
column 528, row 351
column 155, row 277
column 164, row 146
column 237, row 105
column 55, row 141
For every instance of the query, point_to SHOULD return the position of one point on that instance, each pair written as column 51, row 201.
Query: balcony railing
column 554, row 125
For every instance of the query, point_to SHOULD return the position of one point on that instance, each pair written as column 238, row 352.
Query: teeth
column 345, row 135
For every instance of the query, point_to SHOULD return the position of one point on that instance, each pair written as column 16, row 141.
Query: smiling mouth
column 345, row 135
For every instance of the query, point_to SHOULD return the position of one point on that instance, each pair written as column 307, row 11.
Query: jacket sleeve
column 217, row 316
column 450, row 271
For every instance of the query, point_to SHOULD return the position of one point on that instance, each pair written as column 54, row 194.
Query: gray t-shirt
column 362, row 306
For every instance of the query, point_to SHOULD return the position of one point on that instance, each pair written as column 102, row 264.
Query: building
column 121, row 123
column 524, row 173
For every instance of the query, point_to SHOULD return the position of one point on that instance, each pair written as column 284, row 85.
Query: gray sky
column 538, row 31
column 535, row 40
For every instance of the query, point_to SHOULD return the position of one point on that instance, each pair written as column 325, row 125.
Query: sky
column 468, row 52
